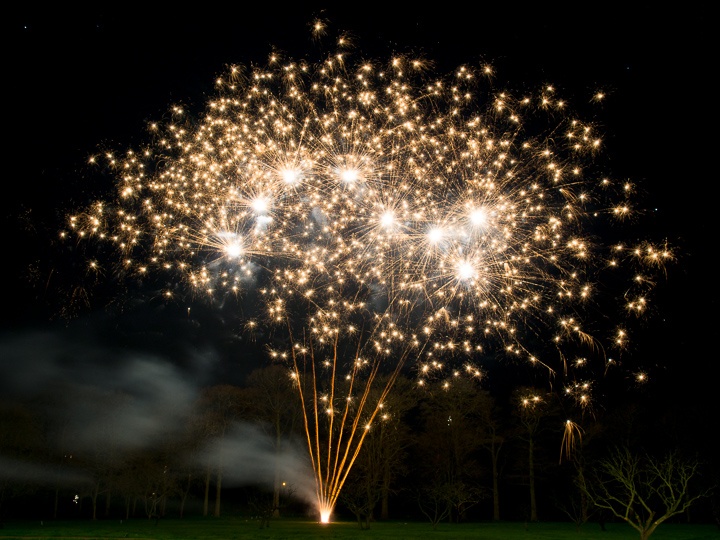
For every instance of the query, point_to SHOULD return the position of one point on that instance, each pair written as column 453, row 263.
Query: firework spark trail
column 384, row 216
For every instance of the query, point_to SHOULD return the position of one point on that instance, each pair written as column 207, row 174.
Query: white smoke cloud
column 249, row 457
column 97, row 394
column 94, row 396
column 33, row 473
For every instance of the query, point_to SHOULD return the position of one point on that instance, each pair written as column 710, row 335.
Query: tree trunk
column 107, row 503
column 184, row 495
column 531, row 472
column 494, row 451
column 276, row 480
column 276, row 494
column 385, row 495
column 94, row 498
column 584, row 502
column 218, row 487
column 207, row 492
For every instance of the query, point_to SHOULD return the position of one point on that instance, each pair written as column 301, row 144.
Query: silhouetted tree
column 532, row 407
column 383, row 455
column 642, row 490
column 275, row 405
column 218, row 408
column 449, row 445
column 101, row 451
column 492, row 439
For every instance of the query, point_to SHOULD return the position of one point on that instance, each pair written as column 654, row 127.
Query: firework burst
column 386, row 218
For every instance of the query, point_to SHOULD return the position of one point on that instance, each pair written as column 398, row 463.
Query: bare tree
column 492, row 440
column 275, row 404
column 153, row 476
column 642, row 490
column 449, row 446
column 218, row 408
column 383, row 455
column 101, row 454
column 361, row 493
column 264, row 505
column 394, row 439
column 532, row 409
column 433, row 501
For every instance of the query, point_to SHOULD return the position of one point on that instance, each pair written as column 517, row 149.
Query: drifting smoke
column 94, row 394
column 90, row 397
column 19, row 471
column 249, row 457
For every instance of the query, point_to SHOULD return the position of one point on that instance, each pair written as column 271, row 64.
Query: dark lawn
column 241, row 529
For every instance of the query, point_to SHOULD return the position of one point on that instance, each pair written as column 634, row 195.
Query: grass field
column 240, row 529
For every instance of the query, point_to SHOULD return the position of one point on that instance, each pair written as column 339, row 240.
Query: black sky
column 79, row 78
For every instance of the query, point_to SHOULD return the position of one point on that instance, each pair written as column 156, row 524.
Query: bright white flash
column 233, row 250
column 260, row 205
column 231, row 244
column 290, row 176
column 466, row 270
column 387, row 219
column 349, row 175
column 325, row 515
column 478, row 217
column 435, row 235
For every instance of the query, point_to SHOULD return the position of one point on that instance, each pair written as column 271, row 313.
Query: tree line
column 440, row 454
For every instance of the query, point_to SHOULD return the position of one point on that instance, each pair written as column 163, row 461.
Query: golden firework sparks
column 383, row 214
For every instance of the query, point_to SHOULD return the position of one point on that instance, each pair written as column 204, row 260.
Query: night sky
column 77, row 80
